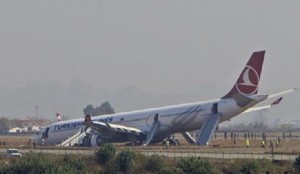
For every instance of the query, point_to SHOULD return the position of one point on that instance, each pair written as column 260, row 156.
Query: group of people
column 272, row 142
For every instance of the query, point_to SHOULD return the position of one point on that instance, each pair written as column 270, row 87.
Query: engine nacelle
column 92, row 140
column 95, row 141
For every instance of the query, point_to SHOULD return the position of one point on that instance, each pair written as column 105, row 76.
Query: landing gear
column 174, row 142
column 171, row 140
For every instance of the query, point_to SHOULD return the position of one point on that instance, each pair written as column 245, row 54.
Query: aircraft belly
column 185, row 123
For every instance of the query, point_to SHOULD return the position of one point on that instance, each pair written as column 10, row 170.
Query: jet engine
column 95, row 140
column 91, row 140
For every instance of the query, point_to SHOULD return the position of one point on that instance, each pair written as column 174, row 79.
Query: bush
column 31, row 163
column 296, row 164
column 105, row 153
column 111, row 167
column 170, row 170
column 154, row 163
column 195, row 166
column 252, row 167
column 41, row 163
column 74, row 162
column 125, row 160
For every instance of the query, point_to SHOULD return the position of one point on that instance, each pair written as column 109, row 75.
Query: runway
column 176, row 154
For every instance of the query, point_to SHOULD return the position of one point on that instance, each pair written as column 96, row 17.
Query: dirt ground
column 14, row 141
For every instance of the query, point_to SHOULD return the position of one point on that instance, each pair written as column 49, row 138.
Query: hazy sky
column 63, row 55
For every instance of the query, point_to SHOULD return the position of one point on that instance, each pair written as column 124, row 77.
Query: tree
column 89, row 109
column 104, row 109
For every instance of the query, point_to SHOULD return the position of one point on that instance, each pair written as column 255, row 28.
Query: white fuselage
column 173, row 119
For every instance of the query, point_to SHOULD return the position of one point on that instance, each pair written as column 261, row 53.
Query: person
column 247, row 142
column 167, row 144
column 34, row 144
column 271, row 144
column 263, row 143
column 272, row 149
column 277, row 143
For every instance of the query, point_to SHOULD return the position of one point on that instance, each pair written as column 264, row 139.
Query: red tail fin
column 247, row 83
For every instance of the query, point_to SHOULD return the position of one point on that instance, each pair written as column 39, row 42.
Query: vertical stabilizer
column 248, row 81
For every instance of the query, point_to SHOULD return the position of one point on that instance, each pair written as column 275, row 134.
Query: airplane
column 155, row 124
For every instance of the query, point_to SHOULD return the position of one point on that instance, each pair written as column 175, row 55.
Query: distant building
column 16, row 130
column 27, row 125
column 33, row 128
column 24, row 129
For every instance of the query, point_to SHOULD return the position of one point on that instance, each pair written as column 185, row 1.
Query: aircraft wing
column 110, row 128
column 276, row 102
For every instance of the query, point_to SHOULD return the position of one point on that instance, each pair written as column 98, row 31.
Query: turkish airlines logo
column 248, row 82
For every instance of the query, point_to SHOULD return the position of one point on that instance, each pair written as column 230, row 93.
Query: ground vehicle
column 10, row 153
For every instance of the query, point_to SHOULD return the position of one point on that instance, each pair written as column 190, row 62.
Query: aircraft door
column 151, row 119
column 214, row 109
column 45, row 133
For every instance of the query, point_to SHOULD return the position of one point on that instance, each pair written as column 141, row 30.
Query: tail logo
column 248, row 81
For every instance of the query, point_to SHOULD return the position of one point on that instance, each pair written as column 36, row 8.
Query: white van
column 10, row 153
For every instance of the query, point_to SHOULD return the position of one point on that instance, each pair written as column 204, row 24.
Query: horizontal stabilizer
column 276, row 102
column 282, row 93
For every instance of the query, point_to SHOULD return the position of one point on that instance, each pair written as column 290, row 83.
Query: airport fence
column 221, row 155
